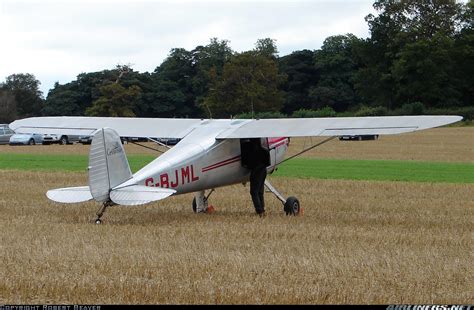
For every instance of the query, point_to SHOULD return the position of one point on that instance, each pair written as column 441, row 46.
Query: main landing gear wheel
column 195, row 205
column 292, row 206
column 204, row 208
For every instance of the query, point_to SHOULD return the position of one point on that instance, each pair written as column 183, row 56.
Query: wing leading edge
column 230, row 129
column 337, row 126
column 125, row 126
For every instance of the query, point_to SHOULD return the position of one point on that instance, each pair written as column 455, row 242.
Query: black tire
column 31, row 142
column 292, row 206
column 195, row 205
column 63, row 140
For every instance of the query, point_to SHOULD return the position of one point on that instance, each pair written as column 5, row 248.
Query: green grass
column 379, row 170
column 60, row 162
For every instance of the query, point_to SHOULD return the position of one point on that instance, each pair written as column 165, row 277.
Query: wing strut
column 309, row 148
column 153, row 140
column 159, row 143
column 147, row 147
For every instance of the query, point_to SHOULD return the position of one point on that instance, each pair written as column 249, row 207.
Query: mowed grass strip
column 57, row 162
column 377, row 170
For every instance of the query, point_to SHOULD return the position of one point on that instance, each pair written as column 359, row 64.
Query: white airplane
column 209, row 154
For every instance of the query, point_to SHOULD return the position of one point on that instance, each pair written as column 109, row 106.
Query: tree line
column 418, row 59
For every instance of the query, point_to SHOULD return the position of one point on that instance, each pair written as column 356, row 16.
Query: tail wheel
column 63, row 140
column 292, row 206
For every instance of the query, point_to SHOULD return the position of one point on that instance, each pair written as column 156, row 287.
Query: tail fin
column 108, row 168
column 108, row 165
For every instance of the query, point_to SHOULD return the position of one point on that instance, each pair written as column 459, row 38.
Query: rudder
column 108, row 165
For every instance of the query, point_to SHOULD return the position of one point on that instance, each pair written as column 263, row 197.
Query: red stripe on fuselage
column 275, row 142
column 222, row 163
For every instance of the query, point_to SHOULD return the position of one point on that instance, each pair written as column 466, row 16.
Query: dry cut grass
column 357, row 242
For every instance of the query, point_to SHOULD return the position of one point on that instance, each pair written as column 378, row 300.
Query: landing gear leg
column 291, row 205
column 200, row 202
column 101, row 211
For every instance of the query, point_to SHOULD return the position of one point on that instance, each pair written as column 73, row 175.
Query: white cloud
column 56, row 40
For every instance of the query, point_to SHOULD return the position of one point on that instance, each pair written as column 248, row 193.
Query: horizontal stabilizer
column 70, row 194
column 139, row 195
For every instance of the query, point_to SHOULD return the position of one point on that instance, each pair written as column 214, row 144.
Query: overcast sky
column 57, row 40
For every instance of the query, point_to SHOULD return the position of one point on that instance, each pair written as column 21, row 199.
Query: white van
column 5, row 133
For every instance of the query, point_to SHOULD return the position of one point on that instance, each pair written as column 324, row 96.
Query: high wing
column 336, row 126
column 125, row 126
column 230, row 129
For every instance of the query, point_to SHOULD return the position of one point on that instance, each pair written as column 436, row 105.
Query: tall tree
column 173, row 86
column 75, row 97
column 25, row 88
column 395, row 32
column 426, row 19
column 8, row 111
column 301, row 76
column 337, row 66
column 463, row 56
column 115, row 101
column 249, row 83
column 424, row 72
column 64, row 100
column 266, row 47
column 208, row 61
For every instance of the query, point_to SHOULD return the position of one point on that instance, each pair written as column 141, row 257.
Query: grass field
column 358, row 241
column 380, row 170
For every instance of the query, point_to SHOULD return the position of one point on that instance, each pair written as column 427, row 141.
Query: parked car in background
column 54, row 138
column 169, row 141
column 26, row 139
column 133, row 139
column 88, row 140
column 85, row 139
column 5, row 133
column 359, row 137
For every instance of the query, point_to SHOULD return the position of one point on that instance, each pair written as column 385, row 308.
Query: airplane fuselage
column 200, row 162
